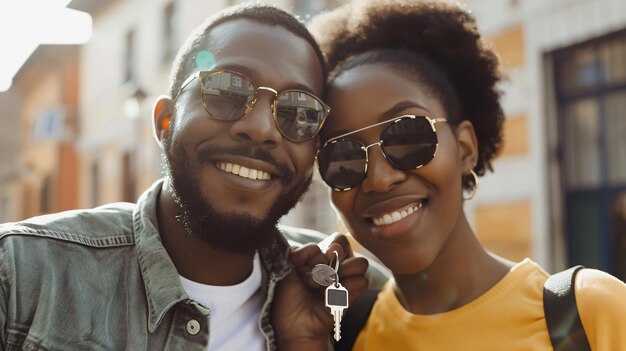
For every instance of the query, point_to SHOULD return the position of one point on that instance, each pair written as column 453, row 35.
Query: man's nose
column 258, row 126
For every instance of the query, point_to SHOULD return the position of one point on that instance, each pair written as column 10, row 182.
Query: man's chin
column 236, row 213
column 235, row 231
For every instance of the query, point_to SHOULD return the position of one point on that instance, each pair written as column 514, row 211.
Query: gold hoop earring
column 474, row 188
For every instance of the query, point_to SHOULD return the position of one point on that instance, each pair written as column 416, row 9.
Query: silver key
column 337, row 301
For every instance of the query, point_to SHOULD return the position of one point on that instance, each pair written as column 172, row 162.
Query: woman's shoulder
column 592, row 284
column 602, row 306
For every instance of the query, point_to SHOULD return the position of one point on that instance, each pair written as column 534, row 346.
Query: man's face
column 223, row 206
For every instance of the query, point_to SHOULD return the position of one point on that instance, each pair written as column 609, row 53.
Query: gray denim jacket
column 100, row 279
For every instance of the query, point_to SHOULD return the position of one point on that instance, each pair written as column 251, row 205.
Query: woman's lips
column 398, row 223
column 397, row 215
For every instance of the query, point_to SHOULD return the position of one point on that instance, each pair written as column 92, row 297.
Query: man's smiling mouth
column 242, row 171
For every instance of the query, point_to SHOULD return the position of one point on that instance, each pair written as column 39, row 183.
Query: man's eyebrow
column 250, row 74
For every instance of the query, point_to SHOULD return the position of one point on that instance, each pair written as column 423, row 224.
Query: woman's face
column 426, row 202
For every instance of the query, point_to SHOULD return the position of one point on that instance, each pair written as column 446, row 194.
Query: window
column 615, row 106
column 129, row 57
column 235, row 81
column 302, row 97
column 50, row 124
column 582, row 143
column 169, row 33
column 590, row 82
column 591, row 93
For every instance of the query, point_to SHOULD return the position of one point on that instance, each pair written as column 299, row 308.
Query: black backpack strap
column 354, row 320
column 559, row 305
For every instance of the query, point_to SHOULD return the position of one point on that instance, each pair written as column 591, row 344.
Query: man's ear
column 162, row 118
column 468, row 145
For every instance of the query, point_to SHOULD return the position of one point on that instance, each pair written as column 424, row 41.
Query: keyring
column 336, row 261
column 324, row 274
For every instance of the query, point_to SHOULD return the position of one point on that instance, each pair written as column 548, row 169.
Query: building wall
column 38, row 173
column 529, row 30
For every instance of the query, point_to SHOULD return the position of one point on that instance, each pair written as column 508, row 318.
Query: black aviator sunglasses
column 409, row 142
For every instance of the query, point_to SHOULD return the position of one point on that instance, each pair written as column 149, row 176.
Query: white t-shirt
column 235, row 311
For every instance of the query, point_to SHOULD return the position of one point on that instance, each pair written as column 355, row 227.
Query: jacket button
column 193, row 327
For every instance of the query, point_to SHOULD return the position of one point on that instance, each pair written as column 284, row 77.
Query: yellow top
column 509, row 317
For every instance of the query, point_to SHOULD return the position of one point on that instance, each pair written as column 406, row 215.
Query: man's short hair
column 184, row 62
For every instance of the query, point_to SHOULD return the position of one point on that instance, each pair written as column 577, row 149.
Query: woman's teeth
column 397, row 215
column 242, row 171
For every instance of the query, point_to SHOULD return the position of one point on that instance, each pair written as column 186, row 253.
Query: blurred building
column 558, row 194
column 45, row 172
column 559, row 188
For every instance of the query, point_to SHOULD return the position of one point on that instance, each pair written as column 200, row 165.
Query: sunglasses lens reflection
column 342, row 164
column 407, row 144
column 299, row 115
column 227, row 95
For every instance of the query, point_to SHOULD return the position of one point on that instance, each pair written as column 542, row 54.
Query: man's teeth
column 242, row 171
column 397, row 215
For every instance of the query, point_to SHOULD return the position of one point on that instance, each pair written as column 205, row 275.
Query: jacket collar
column 161, row 279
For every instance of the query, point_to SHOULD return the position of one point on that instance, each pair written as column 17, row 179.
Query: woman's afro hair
column 443, row 33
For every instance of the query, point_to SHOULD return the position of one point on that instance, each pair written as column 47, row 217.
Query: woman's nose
column 381, row 175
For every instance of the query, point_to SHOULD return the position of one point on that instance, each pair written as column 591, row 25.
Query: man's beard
column 233, row 232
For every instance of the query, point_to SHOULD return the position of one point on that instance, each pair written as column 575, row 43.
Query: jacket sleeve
column 601, row 302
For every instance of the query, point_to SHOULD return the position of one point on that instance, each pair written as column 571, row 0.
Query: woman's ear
column 162, row 118
column 468, row 145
